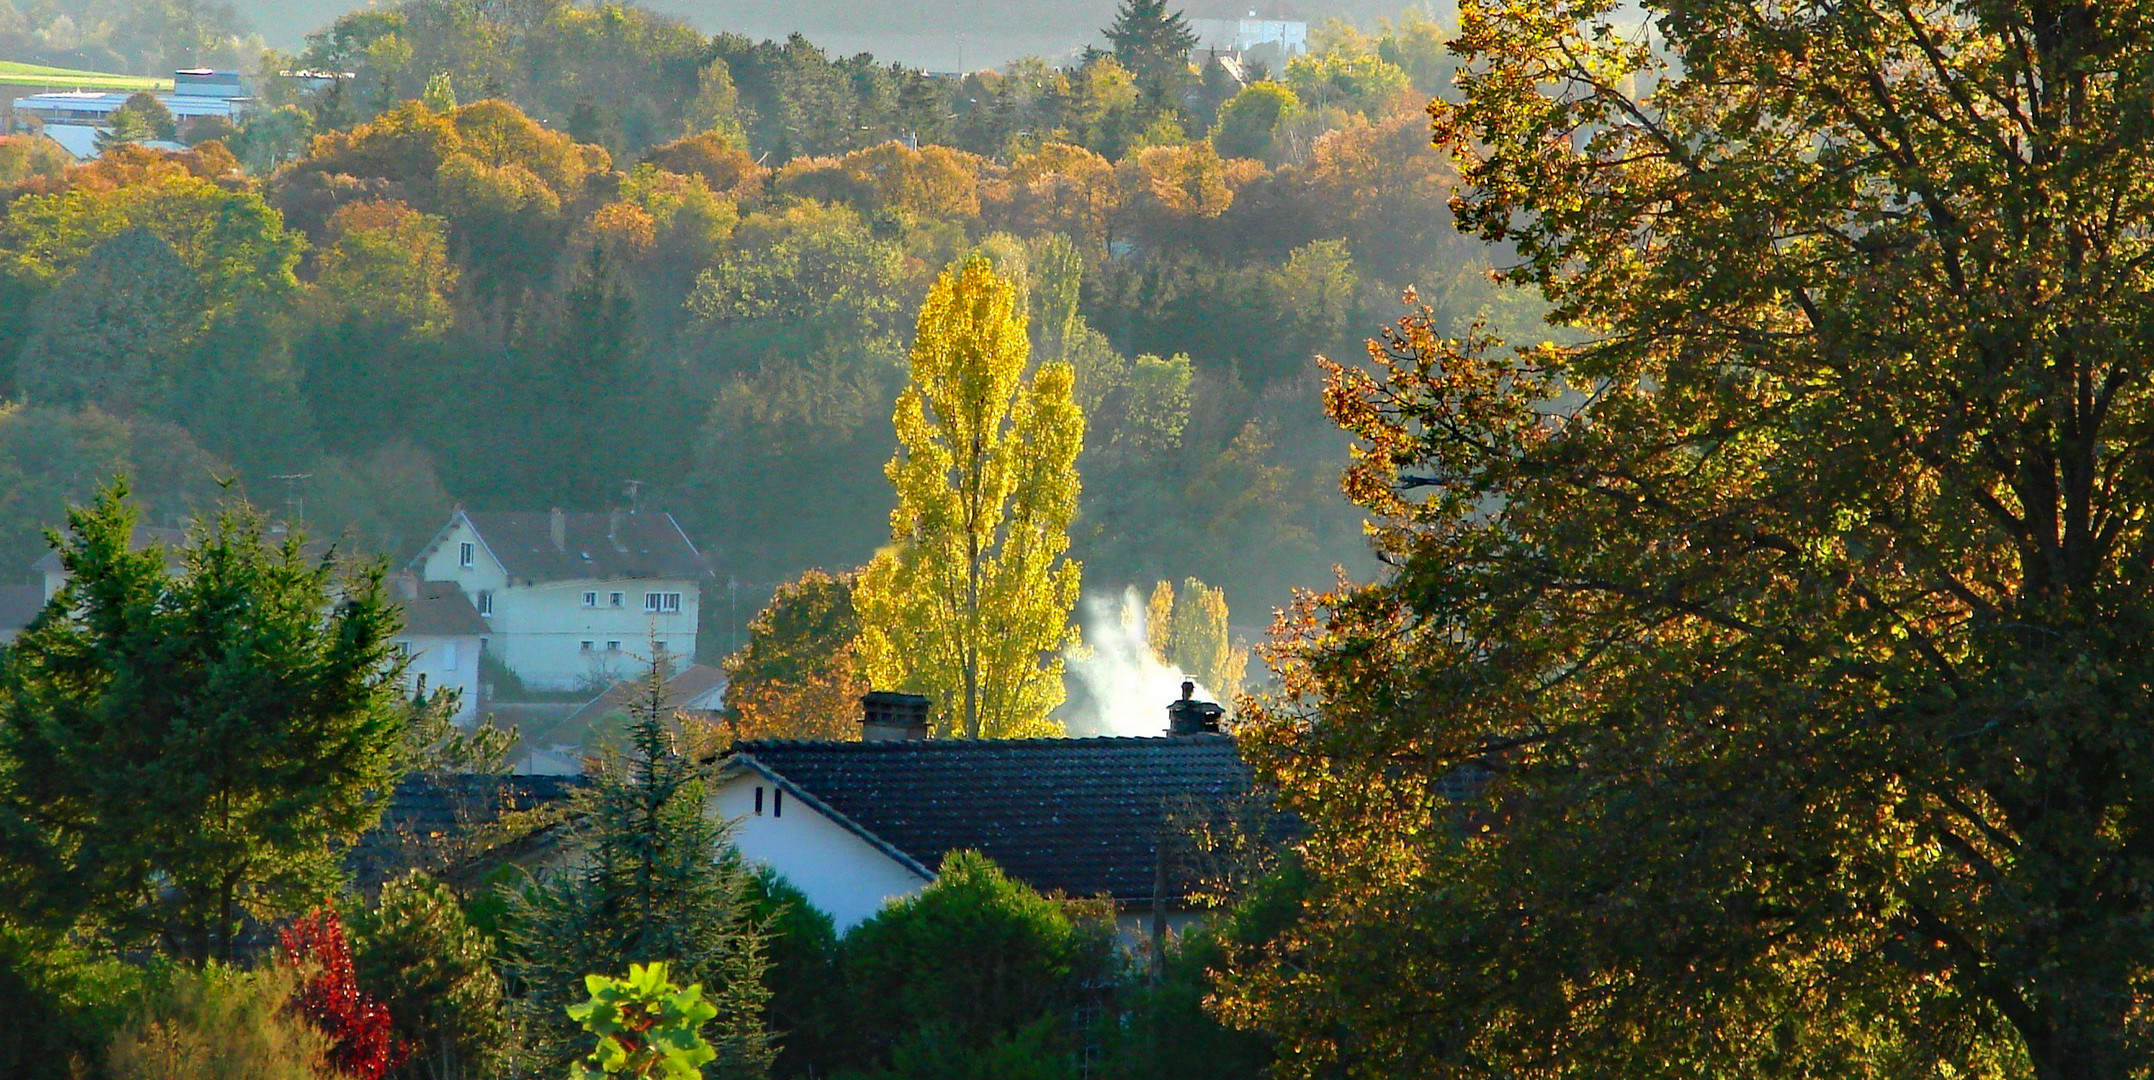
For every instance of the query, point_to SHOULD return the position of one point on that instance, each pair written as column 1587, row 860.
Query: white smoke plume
column 1122, row 689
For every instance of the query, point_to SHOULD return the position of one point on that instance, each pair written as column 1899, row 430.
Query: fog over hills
column 940, row 36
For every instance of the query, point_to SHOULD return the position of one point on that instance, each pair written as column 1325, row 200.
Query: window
column 422, row 684
column 587, row 646
column 467, row 554
column 486, row 602
column 658, row 648
column 617, row 598
column 403, row 648
column 448, row 656
column 590, row 599
column 613, row 646
column 777, row 802
column 668, row 603
column 758, row 800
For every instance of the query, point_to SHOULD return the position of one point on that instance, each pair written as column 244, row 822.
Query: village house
column 440, row 643
column 855, row 825
column 573, row 601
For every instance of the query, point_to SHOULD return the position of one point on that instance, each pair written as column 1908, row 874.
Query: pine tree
column 655, row 879
column 970, row 604
column 180, row 750
column 1152, row 42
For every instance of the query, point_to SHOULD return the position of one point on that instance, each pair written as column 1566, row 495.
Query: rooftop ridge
column 892, row 746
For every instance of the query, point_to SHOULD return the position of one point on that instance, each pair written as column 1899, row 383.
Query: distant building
column 19, row 604
column 1287, row 37
column 573, row 601
column 441, row 642
column 73, row 118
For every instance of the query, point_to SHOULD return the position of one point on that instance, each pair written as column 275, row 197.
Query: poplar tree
column 179, row 751
column 970, row 604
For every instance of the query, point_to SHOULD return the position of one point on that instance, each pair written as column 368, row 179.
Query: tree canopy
column 1777, row 647
column 179, row 751
column 971, row 603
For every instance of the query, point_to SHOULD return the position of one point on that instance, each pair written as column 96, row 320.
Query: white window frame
column 590, row 599
column 467, row 554
column 617, row 598
column 486, row 602
column 588, row 646
column 662, row 603
column 613, row 646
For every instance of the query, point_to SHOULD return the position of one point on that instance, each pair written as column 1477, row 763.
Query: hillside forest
column 552, row 255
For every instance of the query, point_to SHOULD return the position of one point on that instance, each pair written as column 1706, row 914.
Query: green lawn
column 13, row 73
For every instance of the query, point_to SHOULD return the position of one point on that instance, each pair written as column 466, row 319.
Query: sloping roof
column 441, row 610
column 600, row 547
column 427, row 808
column 692, row 682
column 1083, row 816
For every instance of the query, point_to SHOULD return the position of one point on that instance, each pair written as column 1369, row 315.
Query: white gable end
column 842, row 874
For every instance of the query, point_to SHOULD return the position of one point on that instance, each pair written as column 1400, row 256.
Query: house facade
column 573, row 601
column 440, row 643
column 856, row 825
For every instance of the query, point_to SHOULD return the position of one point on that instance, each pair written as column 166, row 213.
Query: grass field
column 13, row 73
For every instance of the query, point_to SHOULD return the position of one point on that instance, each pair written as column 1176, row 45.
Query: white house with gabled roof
column 573, row 601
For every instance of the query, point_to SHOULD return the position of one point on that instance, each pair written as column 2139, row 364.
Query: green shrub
column 415, row 951
column 976, row 956
column 806, row 998
column 61, row 1004
column 218, row 1023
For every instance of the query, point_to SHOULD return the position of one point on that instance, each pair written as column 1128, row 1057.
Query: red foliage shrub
column 363, row 1046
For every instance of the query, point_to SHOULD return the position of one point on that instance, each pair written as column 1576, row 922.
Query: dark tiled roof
column 427, row 809
column 440, row 609
column 18, row 605
column 599, row 546
column 1083, row 816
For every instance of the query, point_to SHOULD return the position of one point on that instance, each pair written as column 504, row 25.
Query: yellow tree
column 1188, row 629
column 970, row 604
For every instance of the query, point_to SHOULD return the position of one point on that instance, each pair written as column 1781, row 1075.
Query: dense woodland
column 527, row 255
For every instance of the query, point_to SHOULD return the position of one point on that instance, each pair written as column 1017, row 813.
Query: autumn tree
column 1762, row 689
column 799, row 675
column 970, row 604
column 1188, row 629
column 181, row 751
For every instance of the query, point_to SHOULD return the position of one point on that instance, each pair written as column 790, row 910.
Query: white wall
column 846, row 877
column 538, row 631
column 451, row 662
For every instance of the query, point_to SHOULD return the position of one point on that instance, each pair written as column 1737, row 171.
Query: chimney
column 560, row 530
column 1192, row 717
column 892, row 717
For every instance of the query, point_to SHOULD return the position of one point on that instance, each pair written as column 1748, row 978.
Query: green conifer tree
column 1152, row 42
column 178, row 751
column 654, row 878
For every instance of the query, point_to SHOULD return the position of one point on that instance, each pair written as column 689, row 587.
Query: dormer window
column 467, row 554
